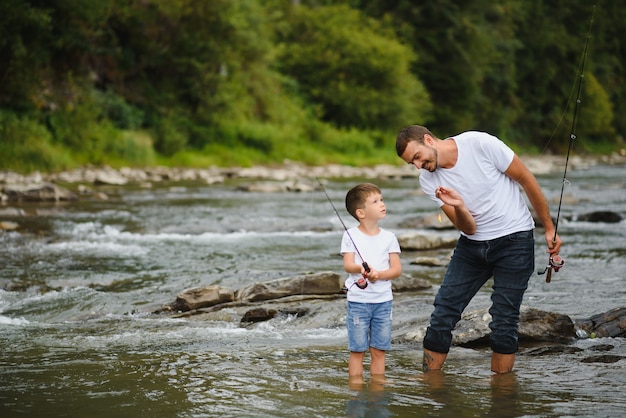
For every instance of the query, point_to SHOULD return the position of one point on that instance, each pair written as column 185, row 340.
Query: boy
column 369, row 280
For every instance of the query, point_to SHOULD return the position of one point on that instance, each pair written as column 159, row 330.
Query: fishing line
column 361, row 283
column 555, row 262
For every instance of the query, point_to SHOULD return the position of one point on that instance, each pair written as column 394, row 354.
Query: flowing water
column 80, row 282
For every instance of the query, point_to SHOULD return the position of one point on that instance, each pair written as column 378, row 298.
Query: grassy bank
column 29, row 144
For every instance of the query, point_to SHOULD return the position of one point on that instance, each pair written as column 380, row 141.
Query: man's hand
column 449, row 196
column 554, row 245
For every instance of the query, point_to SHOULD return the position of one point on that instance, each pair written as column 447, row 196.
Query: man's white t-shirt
column 493, row 198
column 375, row 249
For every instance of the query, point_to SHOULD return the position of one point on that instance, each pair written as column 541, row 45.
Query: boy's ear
column 360, row 213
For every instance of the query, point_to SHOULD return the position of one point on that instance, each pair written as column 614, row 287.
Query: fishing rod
column 362, row 282
column 555, row 262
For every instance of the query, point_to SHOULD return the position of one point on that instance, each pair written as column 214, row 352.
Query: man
column 474, row 177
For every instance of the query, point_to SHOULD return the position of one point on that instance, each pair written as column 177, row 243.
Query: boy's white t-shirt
column 493, row 198
column 375, row 249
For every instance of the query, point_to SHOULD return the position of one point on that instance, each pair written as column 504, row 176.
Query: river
column 80, row 282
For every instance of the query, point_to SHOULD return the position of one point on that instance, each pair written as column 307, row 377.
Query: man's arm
column 455, row 210
column 520, row 173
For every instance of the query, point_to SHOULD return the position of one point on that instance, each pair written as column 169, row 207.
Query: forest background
column 242, row 82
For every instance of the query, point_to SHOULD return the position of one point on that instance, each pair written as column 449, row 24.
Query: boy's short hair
column 356, row 197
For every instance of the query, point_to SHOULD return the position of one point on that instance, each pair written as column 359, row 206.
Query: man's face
column 422, row 156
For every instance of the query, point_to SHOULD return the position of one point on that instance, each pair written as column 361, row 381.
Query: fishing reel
column 555, row 262
column 362, row 282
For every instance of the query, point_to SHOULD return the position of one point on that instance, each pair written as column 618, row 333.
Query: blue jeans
column 511, row 262
column 369, row 325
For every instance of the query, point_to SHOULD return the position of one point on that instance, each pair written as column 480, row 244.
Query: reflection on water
column 504, row 395
column 370, row 400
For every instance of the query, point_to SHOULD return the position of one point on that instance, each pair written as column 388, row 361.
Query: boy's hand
column 373, row 275
column 365, row 270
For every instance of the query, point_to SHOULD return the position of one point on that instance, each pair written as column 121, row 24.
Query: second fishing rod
column 555, row 261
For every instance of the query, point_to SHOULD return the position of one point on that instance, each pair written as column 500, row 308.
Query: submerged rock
column 604, row 358
column 265, row 314
column 551, row 350
column 600, row 216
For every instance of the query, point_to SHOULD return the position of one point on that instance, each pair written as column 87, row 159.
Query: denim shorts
column 510, row 260
column 369, row 325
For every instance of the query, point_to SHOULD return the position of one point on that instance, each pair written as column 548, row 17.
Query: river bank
column 289, row 171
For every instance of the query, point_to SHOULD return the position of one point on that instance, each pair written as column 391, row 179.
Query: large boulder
column 535, row 325
column 436, row 220
column 324, row 283
column 110, row 177
column 608, row 324
column 38, row 192
column 417, row 241
column 406, row 283
column 202, row 297
column 539, row 325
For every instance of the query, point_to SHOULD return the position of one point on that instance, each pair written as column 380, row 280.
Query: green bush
column 118, row 111
column 130, row 148
column 595, row 123
column 27, row 146
column 171, row 134
column 82, row 128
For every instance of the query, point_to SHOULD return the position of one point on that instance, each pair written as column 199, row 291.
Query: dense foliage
column 239, row 82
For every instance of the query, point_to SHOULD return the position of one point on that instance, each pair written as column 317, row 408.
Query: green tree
column 24, row 31
column 596, row 113
column 606, row 57
column 352, row 69
column 205, row 61
column 463, row 56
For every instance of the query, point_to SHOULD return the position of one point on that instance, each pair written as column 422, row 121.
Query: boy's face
column 374, row 208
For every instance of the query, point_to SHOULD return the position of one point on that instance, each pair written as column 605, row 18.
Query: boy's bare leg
column 356, row 382
column 502, row 363
column 377, row 368
column 355, row 364
column 433, row 360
